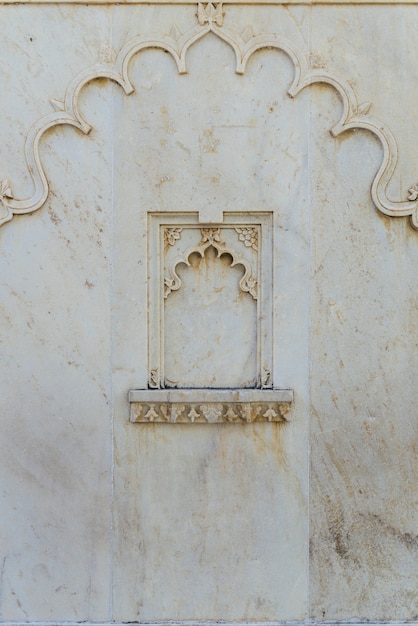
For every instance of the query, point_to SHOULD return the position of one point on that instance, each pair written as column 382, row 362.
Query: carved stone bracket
column 196, row 406
column 210, row 18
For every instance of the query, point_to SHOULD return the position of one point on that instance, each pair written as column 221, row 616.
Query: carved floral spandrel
column 211, row 237
column 171, row 235
column 210, row 18
column 209, row 413
column 248, row 236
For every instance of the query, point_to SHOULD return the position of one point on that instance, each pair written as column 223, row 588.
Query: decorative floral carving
column 246, row 412
column 193, row 414
column 151, row 414
column 171, row 235
column 154, row 379
column 270, row 414
column 249, row 236
column 211, row 236
column 250, row 285
column 266, row 378
column 168, row 286
column 230, row 415
column 413, row 192
column 364, row 108
column 5, row 191
column 176, row 411
column 164, row 408
column 209, row 413
column 210, row 13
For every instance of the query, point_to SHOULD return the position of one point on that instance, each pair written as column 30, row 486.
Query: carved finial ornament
column 210, row 13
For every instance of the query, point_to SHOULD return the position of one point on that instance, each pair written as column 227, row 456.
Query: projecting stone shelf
column 209, row 406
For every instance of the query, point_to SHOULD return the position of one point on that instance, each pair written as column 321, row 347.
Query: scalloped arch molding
column 210, row 19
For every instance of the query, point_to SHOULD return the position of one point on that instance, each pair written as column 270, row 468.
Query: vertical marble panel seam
column 112, row 334
column 308, row 525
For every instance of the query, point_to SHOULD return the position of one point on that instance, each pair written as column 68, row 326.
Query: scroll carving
column 210, row 18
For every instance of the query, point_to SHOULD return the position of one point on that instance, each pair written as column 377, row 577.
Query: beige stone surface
column 104, row 519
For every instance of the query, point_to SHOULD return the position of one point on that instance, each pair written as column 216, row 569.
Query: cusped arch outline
column 248, row 284
column 210, row 19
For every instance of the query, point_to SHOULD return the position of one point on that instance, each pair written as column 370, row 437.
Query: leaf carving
column 151, row 413
column 5, row 191
column 413, row 192
column 364, row 108
column 57, row 104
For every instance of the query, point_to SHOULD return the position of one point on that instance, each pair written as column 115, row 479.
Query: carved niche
column 210, row 322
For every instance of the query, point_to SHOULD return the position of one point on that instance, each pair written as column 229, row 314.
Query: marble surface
column 201, row 540
column 364, row 354
column 103, row 519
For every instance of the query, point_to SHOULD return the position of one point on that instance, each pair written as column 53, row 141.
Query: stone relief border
column 197, row 406
column 210, row 19
column 213, row 413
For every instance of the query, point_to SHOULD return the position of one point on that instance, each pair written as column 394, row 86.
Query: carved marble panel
column 209, row 290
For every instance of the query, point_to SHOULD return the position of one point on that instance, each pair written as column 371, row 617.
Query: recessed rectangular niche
column 210, row 322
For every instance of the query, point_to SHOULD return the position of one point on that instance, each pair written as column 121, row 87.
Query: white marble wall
column 363, row 497
column 102, row 519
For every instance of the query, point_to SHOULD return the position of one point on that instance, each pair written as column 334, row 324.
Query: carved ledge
column 210, row 406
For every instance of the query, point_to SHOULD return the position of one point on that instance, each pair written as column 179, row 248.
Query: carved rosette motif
column 210, row 18
column 209, row 413
column 248, row 236
column 214, row 236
